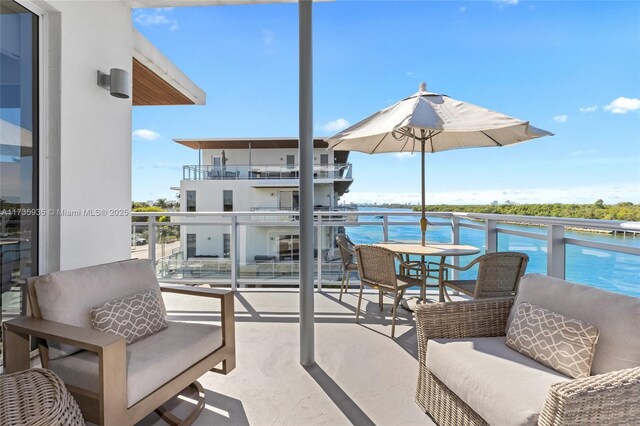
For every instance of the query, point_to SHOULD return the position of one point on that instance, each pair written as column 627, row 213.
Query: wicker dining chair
column 347, row 255
column 377, row 268
column 498, row 275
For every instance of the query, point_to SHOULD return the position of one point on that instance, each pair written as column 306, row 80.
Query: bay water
column 611, row 271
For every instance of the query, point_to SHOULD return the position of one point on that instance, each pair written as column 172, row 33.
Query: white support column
column 491, row 236
column 307, row 338
column 319, row 238
column 234, row 252
column 555, row 251
column 151, row 239
column 455, row 239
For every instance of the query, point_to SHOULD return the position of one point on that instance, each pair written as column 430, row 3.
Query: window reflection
column 18, row 153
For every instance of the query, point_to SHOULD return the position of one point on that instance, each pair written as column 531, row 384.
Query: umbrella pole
column 423, row 219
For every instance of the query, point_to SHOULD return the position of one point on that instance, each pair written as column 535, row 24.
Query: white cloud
column 623, row 105
column 507, row 2
column 561, row 118
column 155, row 16
column 578, row 194
column 146, row 134
column 166, row 166
column 336, row 125
column 584, row 152
column 591, row 108
column 146, row 19
column 269, row 39
column 462, row 9
column 403, row 155
column 410, row 73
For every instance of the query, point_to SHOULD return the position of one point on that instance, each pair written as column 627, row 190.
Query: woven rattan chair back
column 346, row 247
column 499, row 274
column 377, row 266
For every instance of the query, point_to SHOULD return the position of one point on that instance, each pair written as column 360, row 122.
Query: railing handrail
column 284, row 166
column 613, row 225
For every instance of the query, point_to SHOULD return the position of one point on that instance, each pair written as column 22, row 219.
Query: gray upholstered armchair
column 117, row 383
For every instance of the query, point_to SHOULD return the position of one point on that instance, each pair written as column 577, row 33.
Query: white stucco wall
column 95, row 132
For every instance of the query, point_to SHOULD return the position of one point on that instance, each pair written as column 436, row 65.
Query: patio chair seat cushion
column 68, row 296
column 151, row 362
column 503, row 386
column 614, row 315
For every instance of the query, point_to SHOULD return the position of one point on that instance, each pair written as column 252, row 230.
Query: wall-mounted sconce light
column 117, row 82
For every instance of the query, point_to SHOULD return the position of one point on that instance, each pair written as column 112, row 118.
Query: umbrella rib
column 494, row 141
column 381, row 140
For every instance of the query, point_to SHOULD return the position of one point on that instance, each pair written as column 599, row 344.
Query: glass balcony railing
column 264, row 171
column 261, row 248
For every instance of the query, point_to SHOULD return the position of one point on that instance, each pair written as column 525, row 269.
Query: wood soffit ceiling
column 150, row 89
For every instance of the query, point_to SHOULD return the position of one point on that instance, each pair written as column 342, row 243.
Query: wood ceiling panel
column 150, row 89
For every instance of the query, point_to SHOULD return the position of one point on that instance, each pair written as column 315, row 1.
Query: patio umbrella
column 429, row 122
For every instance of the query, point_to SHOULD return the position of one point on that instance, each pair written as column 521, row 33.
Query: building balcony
column 341, row 172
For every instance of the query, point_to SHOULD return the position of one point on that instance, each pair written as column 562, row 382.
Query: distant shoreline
column 624, row 211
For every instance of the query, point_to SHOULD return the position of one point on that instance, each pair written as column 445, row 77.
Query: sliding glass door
column 18, row 154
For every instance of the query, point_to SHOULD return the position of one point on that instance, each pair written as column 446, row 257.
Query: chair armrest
column 196, row 291
column 227, row 315
column 83, row 338
column 411, row 266
column 610, row 398
column 477, row 318
column 111, row 350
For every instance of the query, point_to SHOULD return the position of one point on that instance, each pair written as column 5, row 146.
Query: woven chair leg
column 344, row 275
column 380, row 300
column 346, row 282
column 446, row 294
column 359, row 301
column 394, row 311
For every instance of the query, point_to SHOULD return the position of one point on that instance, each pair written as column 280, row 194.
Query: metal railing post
column 491, row 236
column 234, row 252
column 385, row 228
column 555, row 251
column 151, row 230
column 319, row 222
column 455, row 239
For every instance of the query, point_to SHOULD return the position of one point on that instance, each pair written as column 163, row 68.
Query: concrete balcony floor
column 361, row 376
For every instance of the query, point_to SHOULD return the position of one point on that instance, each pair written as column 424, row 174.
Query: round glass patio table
column 441, row 250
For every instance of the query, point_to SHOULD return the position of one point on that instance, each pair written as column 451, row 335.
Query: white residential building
column 255, row 175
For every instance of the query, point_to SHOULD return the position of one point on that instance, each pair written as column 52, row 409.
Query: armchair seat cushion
column 151, row 362
column 503, row 386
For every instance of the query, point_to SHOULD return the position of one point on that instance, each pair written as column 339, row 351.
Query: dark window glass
column 191, row 201
column 227, row 201
column 18, row 154
column 226, row 245
column 289, row 247
column 324, row 159
column 191, row 245
column 291, row 161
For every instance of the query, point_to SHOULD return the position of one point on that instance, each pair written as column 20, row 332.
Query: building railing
column 240, row 269
column 341, row 171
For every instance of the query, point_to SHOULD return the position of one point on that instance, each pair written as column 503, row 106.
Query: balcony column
column 305, row 147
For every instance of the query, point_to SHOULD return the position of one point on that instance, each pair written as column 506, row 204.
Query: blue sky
column 572, row 68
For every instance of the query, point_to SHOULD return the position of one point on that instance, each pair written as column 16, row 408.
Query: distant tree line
column 598, row 210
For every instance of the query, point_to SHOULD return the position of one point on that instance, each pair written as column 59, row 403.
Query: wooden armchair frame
column 109, row 405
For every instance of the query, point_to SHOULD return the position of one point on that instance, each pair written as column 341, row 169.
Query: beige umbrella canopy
column 429, row 122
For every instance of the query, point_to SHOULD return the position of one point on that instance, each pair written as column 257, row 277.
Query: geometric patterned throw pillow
column 133, row 317
column 564, row 344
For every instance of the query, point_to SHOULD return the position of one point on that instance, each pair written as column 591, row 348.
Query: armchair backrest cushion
column 615, row 315
column 68, row 296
